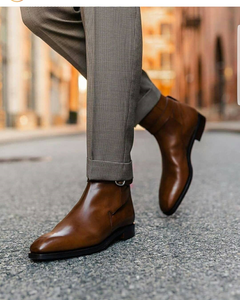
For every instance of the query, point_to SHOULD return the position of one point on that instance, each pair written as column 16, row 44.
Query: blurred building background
column 190, row 53
column 38, row 88
column 206, row 60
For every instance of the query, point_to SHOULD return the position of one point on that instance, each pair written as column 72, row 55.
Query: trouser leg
column 114, row 64
column 62, row 29
column 113, row 103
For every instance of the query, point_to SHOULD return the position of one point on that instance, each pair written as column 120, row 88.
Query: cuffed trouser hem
column 147, row 103
column 107, row 170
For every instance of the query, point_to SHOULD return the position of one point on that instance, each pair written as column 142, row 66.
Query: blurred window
column 150, row 62
column 32, row 104
column 166, row 30
column 55, row 95
column 29, row 70
column 166, row 61
column 150, row 31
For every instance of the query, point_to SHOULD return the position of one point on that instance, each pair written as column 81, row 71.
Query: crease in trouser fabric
column 62, row 28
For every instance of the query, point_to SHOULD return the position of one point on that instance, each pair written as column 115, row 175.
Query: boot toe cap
column 43, row 244
column 168, row 200
column 166, row 207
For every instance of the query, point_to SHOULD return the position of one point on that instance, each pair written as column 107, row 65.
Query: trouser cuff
column 107, row 170
column 147, row 103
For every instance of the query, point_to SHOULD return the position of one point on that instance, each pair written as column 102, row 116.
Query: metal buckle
column 120, row 183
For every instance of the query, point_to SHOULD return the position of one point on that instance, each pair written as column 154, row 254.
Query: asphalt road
column 193, row 255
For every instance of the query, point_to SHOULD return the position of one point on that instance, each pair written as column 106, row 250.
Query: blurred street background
column 189, row 53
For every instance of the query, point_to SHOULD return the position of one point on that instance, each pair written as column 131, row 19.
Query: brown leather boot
column 175, row 126
column 103, row 214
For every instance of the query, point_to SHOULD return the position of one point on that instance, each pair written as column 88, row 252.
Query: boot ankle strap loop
column 123, row 182
column 120, row 183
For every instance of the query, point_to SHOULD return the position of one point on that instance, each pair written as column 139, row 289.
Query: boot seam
column 164, row 110
column 111, row 214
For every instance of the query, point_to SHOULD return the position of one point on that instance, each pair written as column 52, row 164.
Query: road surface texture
column 193, row 255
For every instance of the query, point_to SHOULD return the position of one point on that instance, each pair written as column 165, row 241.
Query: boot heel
column 128, row 233
column 201, row 127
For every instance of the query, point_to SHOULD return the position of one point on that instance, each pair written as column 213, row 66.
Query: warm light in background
column 82, row 84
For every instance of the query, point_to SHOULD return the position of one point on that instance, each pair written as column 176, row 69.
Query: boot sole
column 123, row 233
column 197, row 135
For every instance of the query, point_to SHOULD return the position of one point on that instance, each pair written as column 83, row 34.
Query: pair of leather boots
column 105, row 211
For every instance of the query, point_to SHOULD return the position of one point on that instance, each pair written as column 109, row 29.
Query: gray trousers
column 105, row 45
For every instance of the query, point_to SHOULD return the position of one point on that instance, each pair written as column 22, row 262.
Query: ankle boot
column 104, row 214
column 175, row 126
